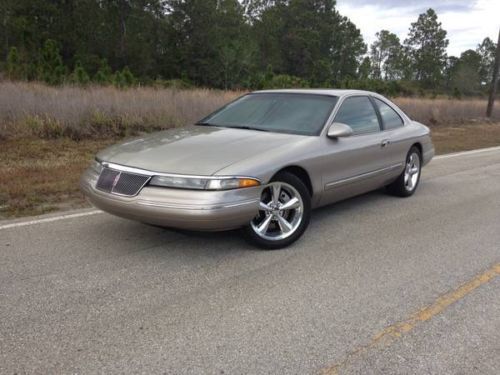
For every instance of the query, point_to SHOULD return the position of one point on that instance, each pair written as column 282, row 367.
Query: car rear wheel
column 407, row 182
column 284, row 213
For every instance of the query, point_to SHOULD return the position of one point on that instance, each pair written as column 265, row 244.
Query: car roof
column 330, row 92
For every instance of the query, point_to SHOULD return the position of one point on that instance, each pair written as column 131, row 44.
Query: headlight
column 96, row 167
column 203, row 183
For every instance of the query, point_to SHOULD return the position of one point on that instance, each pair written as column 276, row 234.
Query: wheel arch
column 299, row 172
column 419, row 146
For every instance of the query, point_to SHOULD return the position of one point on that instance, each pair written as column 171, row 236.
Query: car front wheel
column 284, row 213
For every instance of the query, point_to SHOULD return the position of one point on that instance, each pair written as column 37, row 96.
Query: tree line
column 229, row 44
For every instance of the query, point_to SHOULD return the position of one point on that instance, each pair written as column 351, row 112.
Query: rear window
column 390, row 117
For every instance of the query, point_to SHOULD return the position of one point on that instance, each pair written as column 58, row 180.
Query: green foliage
column 50, row 67
column 321, row 54
column 104, row 75
column 365, row 69
column 283, row 81
column 128, row 77
column 390, row 60
column 124, row 78
column 213, row 43
column 15, row 67
column 79, row 75
column 466, row 75
column 427, row 47
column 456, row 94
column 486, row 50
column 228, row 44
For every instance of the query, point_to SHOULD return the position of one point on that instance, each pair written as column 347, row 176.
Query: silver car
column 262, row 163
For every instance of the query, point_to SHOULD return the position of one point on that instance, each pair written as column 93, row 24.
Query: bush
column 14, row 66
column 104, row 75
column 51, row 68
column 125, row 78
column 79, row 75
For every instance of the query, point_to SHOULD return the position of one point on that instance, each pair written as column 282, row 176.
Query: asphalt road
column 98, row 294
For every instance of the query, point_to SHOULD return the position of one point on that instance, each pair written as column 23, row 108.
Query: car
column 262, row 163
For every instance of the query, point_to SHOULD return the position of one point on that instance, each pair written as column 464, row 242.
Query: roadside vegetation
column 103, row 112
column 231, row 45
column 99, row 112
column 49, row 135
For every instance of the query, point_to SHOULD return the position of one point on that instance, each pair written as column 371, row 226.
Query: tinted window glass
column 359, row 114
column 390, row 118
column 281, row 112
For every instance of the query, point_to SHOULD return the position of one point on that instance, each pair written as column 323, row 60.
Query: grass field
column 37, row 110
column 49, row 135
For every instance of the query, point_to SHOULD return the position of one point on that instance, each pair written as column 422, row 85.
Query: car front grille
column 121, row 183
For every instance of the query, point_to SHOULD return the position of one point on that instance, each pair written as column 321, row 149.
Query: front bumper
column 178, row 208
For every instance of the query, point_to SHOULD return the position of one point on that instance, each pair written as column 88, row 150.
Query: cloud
column 467, row 22
column 450, row 5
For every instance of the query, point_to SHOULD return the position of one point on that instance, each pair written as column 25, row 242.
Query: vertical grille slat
column 121, row 183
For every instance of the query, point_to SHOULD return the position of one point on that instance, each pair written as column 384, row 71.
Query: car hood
column 196, row 150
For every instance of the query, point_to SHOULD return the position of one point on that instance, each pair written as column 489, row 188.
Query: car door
column 355, row 164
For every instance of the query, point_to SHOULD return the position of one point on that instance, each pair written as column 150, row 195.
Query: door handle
column 385, row 143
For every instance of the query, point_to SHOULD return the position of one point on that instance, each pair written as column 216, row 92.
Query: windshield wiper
column 231, row 126
column 205, row 123
column 249, row 128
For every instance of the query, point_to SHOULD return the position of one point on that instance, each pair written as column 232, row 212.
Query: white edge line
column 49, row 219
column 89, row 213
column 465, row 153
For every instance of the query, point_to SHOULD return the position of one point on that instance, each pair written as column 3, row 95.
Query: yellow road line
column 393, row 332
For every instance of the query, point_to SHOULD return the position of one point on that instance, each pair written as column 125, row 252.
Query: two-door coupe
column 262, row 163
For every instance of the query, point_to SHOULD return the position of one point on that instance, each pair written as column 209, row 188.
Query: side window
column 359, row 114
column 390, row 117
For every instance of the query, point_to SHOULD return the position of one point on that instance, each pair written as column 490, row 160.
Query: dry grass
column 33, row 109
column 465, row 137
column 38, row 176
column 446, row 111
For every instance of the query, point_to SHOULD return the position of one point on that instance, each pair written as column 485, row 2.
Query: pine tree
column 50, row 67
column 15, row 66
column 104, row 75
column 80, row 76
column 427, row 44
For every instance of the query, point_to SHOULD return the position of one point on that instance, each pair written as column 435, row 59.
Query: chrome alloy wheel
column 280, row 212
column 412, row 171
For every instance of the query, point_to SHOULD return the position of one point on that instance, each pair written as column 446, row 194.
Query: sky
column 467, row 22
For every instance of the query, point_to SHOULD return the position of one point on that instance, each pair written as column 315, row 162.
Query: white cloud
column 466, row 22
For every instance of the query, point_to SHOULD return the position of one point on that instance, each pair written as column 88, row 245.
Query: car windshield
column 275, row 112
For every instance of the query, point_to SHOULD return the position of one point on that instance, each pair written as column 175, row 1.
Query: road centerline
column 390, row 334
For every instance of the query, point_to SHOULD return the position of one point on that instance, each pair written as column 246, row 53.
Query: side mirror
column 339, row 130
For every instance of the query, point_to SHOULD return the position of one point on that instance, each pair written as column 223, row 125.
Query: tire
column 407, row 183
column 284, row 213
